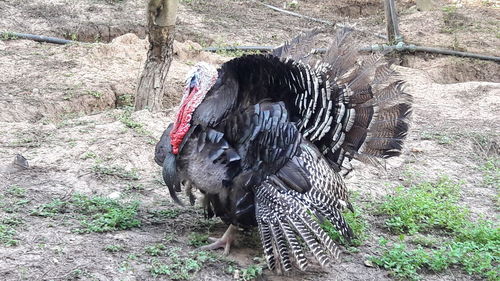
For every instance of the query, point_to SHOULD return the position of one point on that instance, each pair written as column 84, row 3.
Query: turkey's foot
column 224, row 242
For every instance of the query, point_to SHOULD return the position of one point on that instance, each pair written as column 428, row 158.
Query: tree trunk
column 161, row 28
column 391, row 18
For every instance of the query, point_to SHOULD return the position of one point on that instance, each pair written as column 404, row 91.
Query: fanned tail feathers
column 299, row 48
column 371, row 107
column 288, row 220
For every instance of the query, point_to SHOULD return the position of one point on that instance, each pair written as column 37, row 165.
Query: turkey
column 267, row 140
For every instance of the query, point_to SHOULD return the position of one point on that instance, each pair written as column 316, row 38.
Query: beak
column 170, row 177
column 165, row 158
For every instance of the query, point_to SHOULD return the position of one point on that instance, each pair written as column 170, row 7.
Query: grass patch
column 491, row 173
column 114, row 248
column 473, row 257
column 251, row 272
column 126, row 118
column 421, row 208
column 225, row 50
column 14, row 206
column 104, row 214
column 234, row 53
column 115, row 171
column 440, row 138
column 134, row 187
column 167, row 213
column 180, row 267
column 401, row 262
column 95, row 94
column 454, row 21
column 16, row 191
column 50, row 209
column 155, row 250
column 8, row 36
column 96, row 214
column 198, row 239
column 8, row 231
column 89, row 155
column 124, row 101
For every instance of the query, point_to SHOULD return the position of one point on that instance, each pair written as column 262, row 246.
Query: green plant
column 114, row 248
column 88, row 155
column 7, row 234
column 491, row 173
column 167, row 213
column 197, row 239
column 440, row 138
column 8, row 36
column 104, row 214
column 424, row 206
column 15, row 206
column 126, row 100
column 224, row 50
column 424, row 240
column 98, row 214
column 292, row 5
column 69, row 95
column 357, row 224
column 50, row 209
column 251, row 272
column 473, row 257
column 402, row 262
column 16, row 191
column 449, row 9
column 29, row 142
column 116, row 171
column 155, row 250
column 453, row 21
column 13, row 221
column 95, row 94
column 180, row 267
column 469, row 245
column 126, row 118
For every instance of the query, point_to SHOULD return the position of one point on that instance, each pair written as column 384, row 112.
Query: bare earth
column 61, row 107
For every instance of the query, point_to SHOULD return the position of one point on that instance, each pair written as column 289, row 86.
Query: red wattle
column 182, row 122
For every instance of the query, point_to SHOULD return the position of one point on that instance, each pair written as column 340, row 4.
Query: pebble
column 114, row 195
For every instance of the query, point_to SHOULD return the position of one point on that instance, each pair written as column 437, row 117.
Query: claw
column 224, row 242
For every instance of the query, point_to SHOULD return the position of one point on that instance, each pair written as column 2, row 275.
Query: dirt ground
column 64, row 109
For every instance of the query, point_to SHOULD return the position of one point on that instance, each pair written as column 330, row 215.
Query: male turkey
column 267, row 139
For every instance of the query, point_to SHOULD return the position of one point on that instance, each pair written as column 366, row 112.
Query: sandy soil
column 60, row 104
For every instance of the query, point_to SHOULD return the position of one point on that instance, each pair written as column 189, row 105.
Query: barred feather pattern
column 299, row 48
column 285, row 217
column 350, row 111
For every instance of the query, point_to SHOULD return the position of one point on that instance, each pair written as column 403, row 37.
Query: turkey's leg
column 224, row 242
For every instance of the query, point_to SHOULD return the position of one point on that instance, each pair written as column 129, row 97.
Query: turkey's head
column 199, row 81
